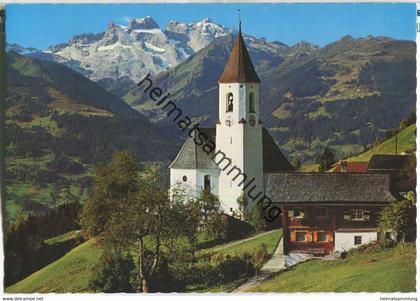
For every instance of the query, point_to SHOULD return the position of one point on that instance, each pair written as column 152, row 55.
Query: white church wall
column 214, row 179
column 194, row 180
column 186, row 178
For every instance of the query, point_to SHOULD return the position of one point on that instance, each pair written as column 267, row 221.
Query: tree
column 131, row 208
column 259, row 257
column 257, row 217
column 407, row 177
column 326, row 159
column 212, row 221
column 113, row 274
column 208, row 203
column 397, row 217
column 242, row 206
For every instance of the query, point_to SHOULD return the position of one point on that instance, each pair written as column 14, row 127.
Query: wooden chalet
column 327, row 212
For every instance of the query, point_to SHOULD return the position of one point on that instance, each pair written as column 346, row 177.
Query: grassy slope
column 406, row 140
column 62, row 238
column 385, row 271
column 70, row 273
column 271, row 239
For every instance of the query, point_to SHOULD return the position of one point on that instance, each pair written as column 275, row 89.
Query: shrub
column 219, row 270
column 114, row 273
column 256, row 218
column 259, row 256
column 217, row 258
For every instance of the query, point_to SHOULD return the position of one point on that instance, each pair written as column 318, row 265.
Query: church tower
column 239, row 131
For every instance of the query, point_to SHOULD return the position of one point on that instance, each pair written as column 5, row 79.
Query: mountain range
column 72, row 105
column 345, row 95
column 122, row 55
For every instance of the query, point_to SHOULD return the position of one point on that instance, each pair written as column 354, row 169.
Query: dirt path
column 273, row 265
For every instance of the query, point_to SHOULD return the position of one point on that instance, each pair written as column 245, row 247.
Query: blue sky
column 42, row 25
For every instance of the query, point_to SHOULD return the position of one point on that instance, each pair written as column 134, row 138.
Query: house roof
column 329, row 188
column 350, row 166
column 192, row 156
column 239, row 67
column 387, row 163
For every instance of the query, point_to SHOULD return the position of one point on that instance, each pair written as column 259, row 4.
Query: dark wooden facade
column 310, row 228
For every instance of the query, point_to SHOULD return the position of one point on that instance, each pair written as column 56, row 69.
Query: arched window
column 207, row 183
column 229, row 102
column 251, row 103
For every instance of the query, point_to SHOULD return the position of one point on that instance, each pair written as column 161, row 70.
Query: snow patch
column 183, row 52
column 152, row 31
column 153, row 47
column 113, row 46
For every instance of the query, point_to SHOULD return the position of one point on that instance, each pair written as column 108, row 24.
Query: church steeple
column 239, row 67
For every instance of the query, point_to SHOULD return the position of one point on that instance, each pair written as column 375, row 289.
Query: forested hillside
column 59, row 125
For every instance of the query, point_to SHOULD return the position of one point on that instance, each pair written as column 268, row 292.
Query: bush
column 372, row 247
column 234, row 267
column 114, row 273
column 259, row 256
column 219, row 270
column 256, row 218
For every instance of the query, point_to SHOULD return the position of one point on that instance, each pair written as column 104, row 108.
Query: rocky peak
column 143, row 23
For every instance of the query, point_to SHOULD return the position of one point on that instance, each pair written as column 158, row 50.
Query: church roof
column 332, row 188
column 192, row 156
column 239, row 67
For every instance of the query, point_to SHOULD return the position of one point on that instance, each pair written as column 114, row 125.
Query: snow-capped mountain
column 127, row 53
column 122, row 55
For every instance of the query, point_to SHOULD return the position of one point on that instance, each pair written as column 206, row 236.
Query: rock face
column 122, row 55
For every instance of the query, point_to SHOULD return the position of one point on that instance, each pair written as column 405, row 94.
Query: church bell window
column 251, row 103
column 229, row 102
column 207, row 183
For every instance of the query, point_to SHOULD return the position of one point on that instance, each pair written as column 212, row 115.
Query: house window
column 296, row 213
column 300, row 236
column 359, row 215
column 251, row 103
column 321, row 212
column 357, row 240
column 229, row 102
column 184, row 178
column 207, row 183
column 321, row 236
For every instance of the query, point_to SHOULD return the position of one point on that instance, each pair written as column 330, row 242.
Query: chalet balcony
column 305, row 222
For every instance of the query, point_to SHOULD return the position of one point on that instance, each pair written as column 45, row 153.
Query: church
column 245, row 153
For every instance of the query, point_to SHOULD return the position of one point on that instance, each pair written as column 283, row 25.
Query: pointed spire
column 239, row 19
column 239, row 67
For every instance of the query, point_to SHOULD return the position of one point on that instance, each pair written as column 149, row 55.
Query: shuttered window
column 300, row 236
